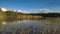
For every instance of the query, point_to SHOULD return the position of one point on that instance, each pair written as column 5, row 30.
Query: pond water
column 30, row 27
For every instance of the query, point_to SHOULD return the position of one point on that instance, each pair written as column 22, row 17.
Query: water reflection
column 29, row 27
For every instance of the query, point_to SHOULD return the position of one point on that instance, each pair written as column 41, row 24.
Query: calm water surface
column 31, row 27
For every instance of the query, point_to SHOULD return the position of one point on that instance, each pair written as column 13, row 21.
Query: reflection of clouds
column 28, row 25
column 4, row 22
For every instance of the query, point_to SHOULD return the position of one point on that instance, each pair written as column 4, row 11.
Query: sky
column 31, row 5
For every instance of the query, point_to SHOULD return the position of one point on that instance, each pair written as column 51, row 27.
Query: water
column 43, row 26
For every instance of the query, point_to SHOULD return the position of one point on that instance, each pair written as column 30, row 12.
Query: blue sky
column 30, row 5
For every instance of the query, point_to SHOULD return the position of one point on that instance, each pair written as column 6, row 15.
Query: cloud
column 15, row 10
column 45, row 11
column 23, row 11
column 4, row 9
column 38, row 11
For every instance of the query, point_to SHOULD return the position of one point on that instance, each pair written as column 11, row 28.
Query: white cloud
column 19, row 11
column 14, row 10
column 45, row 11
column 4, row 9
column 35, row 11
column 23, row 11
